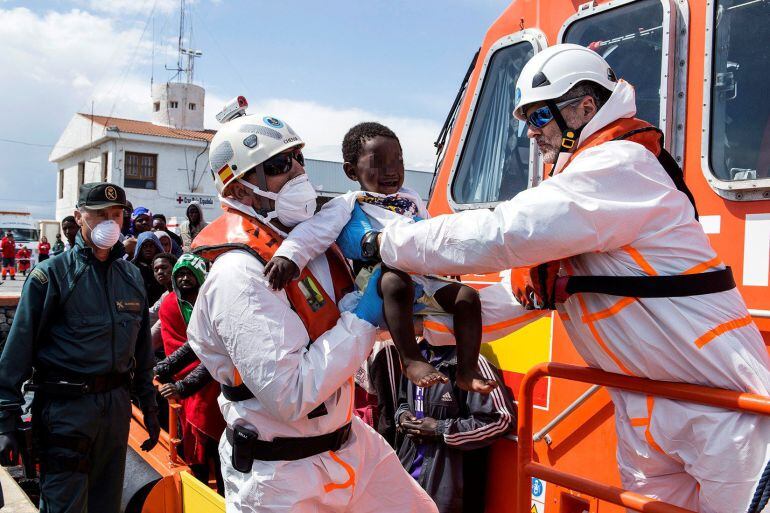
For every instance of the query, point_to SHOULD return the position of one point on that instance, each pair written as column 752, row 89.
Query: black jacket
column 79, row 315
column 193, row 381
column 453, row 476
column 385, row 377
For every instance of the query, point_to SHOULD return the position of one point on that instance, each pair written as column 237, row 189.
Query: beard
column 548, row 152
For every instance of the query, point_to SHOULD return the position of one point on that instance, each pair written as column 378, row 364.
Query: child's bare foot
column 475, row 382
column 422, row 374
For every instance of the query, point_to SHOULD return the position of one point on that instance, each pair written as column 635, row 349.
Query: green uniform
column 79, row 317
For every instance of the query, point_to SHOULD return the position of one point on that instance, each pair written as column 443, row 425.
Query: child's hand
column 280, row 271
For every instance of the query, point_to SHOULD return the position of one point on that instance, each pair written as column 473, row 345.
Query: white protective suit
column 615, row 211
column 240, row 323
column 501, row 313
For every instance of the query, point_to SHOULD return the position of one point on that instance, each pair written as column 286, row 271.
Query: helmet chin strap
column 569, row 136
column 264, row 208
column 264, row 213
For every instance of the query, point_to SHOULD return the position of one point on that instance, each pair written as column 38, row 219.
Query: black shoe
column 13, row 278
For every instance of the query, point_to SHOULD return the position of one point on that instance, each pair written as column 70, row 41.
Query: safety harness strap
column 242, row 393
column 666, row 161
column 653, row 286
column 237, row 393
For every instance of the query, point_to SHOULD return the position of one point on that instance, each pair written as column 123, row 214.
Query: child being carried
column 373, row 158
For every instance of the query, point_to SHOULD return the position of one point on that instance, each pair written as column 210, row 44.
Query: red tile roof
column 133, row 126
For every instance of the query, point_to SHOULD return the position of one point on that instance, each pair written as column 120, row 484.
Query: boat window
column 630, row 38
column 494, row 165
column 739, row 146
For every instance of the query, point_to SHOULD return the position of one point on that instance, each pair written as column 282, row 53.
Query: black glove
column 9, row 448
column 153, row 429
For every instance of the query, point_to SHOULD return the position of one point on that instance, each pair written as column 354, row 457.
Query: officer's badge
column 110, row 193
column 39, row 275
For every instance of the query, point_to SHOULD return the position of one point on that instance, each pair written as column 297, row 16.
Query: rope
column 762, row 493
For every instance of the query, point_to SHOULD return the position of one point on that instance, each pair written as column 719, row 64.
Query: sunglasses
column 543, row 115
column 281, row 163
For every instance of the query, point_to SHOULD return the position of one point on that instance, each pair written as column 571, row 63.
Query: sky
column 321, row 65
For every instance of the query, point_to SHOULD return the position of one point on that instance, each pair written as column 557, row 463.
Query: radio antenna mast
column 188, row 67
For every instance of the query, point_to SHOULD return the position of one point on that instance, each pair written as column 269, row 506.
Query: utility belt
column 60, row 383
column 247, row 446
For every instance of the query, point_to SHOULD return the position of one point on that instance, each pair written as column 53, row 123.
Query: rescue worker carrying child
column 617, row 208
column 286, row 359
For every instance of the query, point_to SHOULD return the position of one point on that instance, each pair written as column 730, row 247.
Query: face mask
column 294, row 203
column 105, row 234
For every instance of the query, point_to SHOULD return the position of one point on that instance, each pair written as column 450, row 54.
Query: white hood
column 621, row 104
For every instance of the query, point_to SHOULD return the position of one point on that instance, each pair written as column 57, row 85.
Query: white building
column 163, row 165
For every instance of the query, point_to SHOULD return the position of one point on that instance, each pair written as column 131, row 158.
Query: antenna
column 182, row 52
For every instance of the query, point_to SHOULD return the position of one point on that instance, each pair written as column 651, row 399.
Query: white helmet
column 245, row 142
column 557, row 69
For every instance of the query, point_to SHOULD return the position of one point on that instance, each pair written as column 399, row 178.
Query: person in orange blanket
column 22, row 258
column 184, row 377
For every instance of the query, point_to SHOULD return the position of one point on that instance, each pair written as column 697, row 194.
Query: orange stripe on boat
column 721, row 329
column 704, row 266
column 640, row 261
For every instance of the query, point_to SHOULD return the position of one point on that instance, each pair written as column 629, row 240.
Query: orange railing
column 528, row 468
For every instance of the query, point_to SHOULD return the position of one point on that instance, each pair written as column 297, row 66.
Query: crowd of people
column 256, row 324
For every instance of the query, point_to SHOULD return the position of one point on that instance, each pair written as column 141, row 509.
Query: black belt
column 68, row 383
column 237, row 393
column 290, row 449
column 682, row 285
column 242, row 393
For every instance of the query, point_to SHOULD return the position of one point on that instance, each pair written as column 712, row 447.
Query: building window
column 104, row 166
column 81, row 173
column 141, row 170
column 156, row 106
column 173, row 105
column 191, row 106
column 61, row 184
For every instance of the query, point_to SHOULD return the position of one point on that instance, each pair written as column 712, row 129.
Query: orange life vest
column 235, row 230
column 627, row 129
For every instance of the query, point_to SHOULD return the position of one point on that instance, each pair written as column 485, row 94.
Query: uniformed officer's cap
column 101, row 195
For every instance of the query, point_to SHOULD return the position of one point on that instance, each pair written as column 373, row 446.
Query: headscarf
column 139, row 211
column 146, row 237
column 175, row 249
column 197, row 206
column 195, row 264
